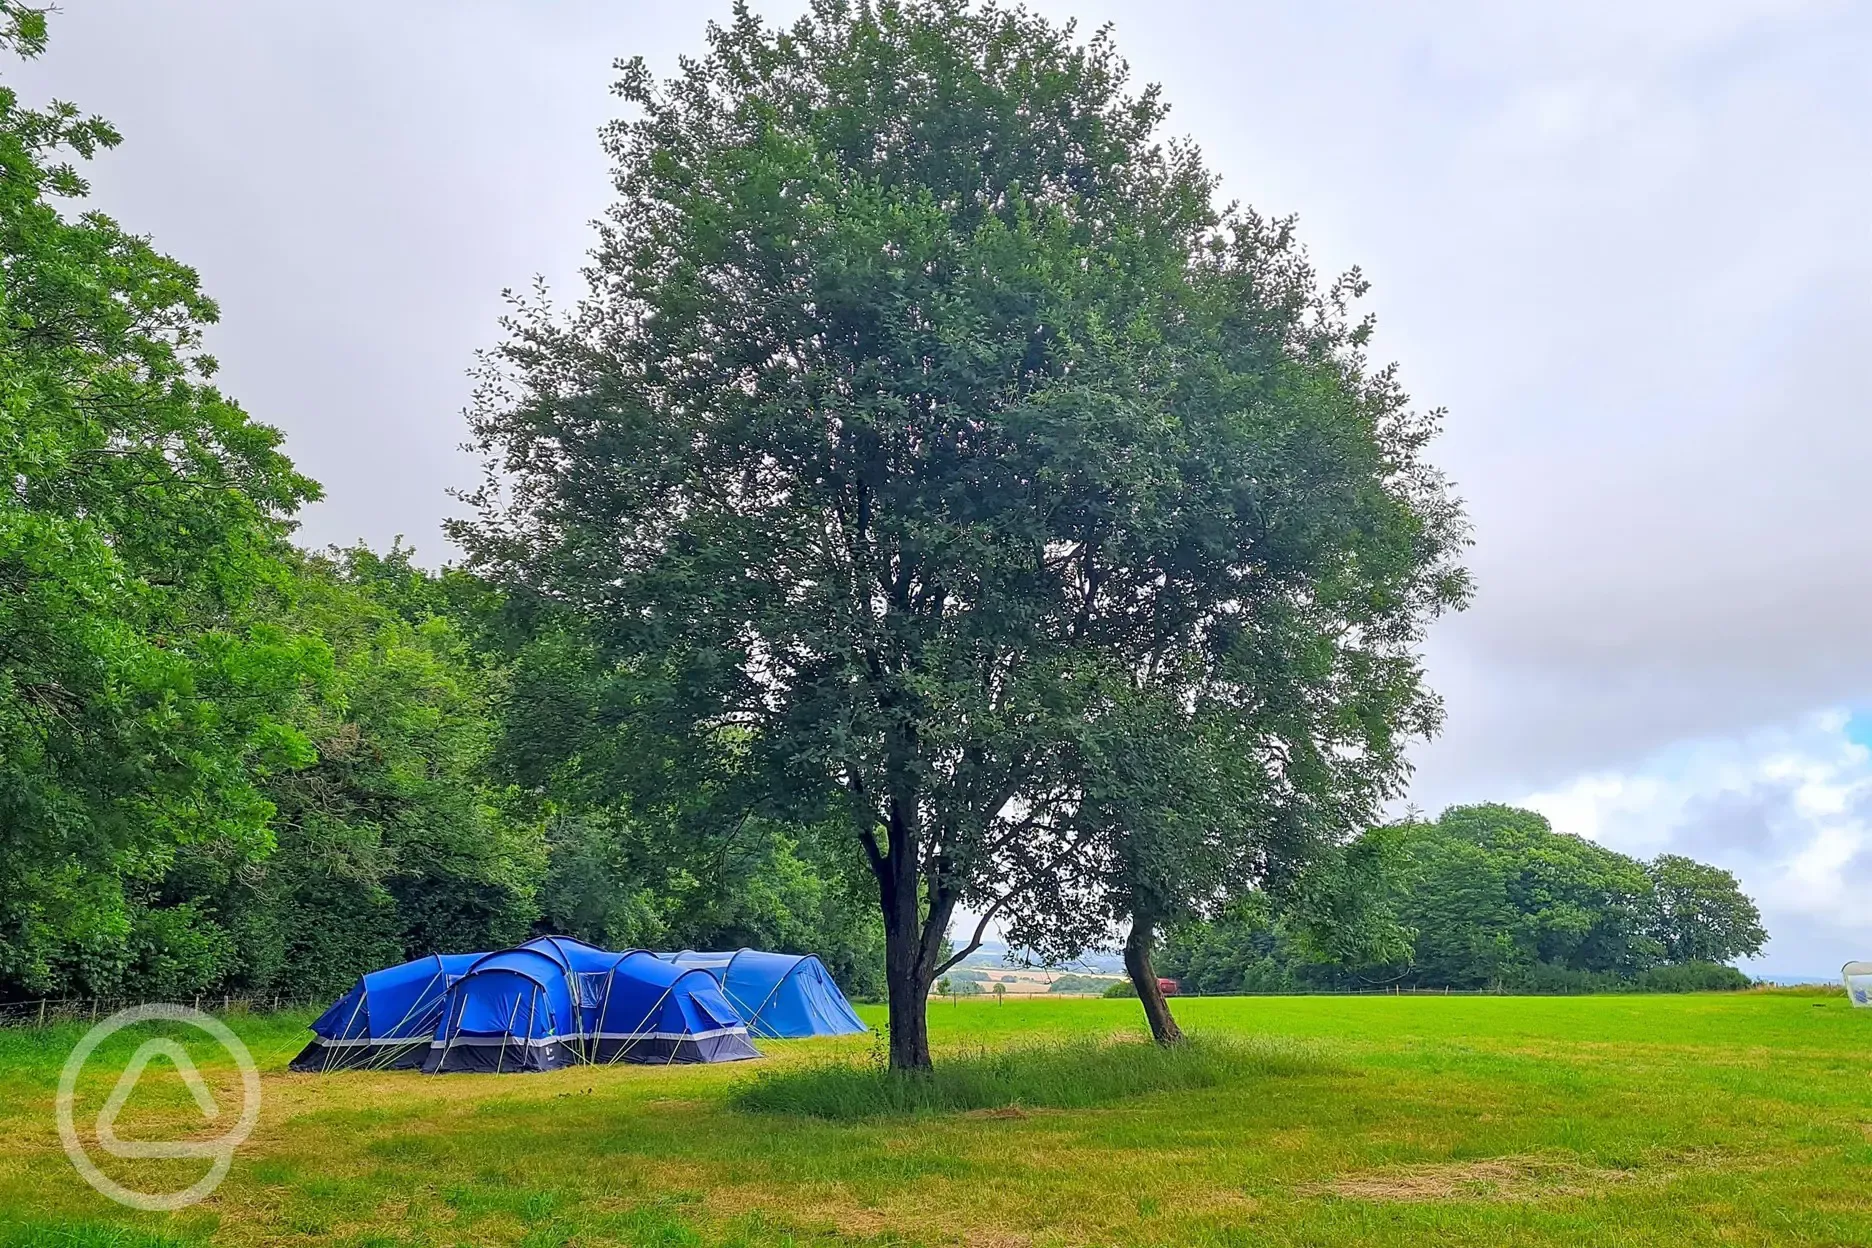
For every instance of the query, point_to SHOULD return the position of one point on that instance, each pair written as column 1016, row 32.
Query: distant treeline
column 1483, row 897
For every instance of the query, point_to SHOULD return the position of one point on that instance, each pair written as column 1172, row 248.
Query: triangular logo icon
column 126, row 1083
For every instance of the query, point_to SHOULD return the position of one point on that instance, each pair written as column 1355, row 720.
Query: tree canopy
column 141, row 707
column 927, row 420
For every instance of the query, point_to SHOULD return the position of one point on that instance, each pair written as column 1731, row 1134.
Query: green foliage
column 632, row 882
column 1493, row 892
column 142, row 704
column 1699, row 913
column 1245, row 950
column 1068, row 1075
column 1123, row 988
column 929, row 440
column 225, row 765
column 1484, row 897
column 1684, row 977
column 392, row 844
column 636, row 857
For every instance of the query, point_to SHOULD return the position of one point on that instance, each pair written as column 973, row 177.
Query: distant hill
column 995, row 954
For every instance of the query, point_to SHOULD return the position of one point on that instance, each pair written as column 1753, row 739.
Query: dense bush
column 392, row 842
column 1693, row 977
column 1684, row 977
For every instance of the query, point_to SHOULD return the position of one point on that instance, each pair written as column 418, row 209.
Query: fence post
column 42, row 1006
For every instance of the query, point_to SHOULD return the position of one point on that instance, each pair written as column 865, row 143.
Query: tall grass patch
column 1071, row 1074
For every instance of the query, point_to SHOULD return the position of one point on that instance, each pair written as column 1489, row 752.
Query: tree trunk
column 1137, row 959
column 909, row 1024
column 906, row 973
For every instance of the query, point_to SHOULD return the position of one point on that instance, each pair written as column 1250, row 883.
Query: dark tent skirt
column 728, row 1045
column 498, row 1055
column 489, row 1055
column 324, row 1055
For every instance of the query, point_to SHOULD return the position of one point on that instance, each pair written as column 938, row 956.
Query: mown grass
column 1741, row 1118
column 1070, row 1074
column 85, row 1235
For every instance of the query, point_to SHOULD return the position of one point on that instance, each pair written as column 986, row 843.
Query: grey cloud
column 1814, row 945
column 357, row 183
column 1757, row 822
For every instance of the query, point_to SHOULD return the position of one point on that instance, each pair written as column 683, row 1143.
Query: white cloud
column 1788, row 809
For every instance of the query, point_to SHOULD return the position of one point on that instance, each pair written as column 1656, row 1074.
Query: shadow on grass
column 1069, row 1075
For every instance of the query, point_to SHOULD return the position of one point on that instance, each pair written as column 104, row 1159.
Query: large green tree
column 925, row 411
column 1698, row 912
column 1491, row 890
column 142, row 511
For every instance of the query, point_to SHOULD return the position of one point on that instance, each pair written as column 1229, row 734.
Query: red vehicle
column 1167, row 986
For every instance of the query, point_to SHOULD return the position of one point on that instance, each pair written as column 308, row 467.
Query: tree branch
column 981, row 928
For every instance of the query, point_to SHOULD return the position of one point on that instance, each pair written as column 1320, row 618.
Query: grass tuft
column 1067, row 1075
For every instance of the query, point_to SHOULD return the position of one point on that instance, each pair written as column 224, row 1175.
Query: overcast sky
column 1626, row 245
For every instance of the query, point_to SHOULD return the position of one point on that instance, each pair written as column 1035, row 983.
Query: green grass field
column 1733, row 1119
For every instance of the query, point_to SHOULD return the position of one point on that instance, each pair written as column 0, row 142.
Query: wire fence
column 55, row 1011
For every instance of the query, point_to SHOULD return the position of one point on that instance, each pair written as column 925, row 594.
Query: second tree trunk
column 1137, row 959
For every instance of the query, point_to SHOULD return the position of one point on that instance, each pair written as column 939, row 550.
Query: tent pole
column 657, row 1005
column 331, row 1055
column 385, row 1060
column 448, row 1033
column 604, row 1007
column 501, row 1055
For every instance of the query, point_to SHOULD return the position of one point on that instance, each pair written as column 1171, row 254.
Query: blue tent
column 635, row 1007
column 555, row 1002
column 649, row 1010
column 782, row 995
column 513, row 1010
column 387, row 1018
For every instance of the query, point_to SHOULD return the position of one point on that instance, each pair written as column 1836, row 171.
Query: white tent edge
column 1857, row 976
